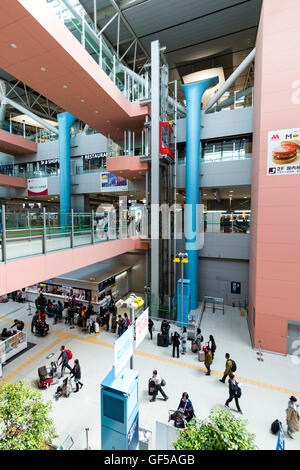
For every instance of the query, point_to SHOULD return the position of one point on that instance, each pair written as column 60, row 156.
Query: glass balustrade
column 226, row 222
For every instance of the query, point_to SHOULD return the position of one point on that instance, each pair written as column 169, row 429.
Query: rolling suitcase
column 201, row 356
column 151, row 387
column 160, row 340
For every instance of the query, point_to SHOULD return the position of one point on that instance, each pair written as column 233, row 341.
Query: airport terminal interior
column 149, row 156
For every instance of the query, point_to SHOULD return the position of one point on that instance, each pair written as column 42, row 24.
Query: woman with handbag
column 186, row 407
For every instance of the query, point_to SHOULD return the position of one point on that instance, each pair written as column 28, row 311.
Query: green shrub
column 220, row 431
column 24, row 421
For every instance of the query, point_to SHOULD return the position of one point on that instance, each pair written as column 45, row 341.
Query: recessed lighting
column 14, row 45
column 43, row 69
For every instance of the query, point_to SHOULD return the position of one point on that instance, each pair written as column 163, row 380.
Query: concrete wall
column 275, row 256
column 221, row 124
column 218, row 174
column 215, row 277
column 226, row 245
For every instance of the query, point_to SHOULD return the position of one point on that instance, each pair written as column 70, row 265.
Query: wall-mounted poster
column 37, row 187
column 110, row 182
column 284, row 152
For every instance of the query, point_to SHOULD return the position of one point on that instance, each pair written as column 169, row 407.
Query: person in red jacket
column 43, row 316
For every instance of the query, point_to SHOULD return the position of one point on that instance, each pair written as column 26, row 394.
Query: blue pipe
column 65, row 121
column 193, row 93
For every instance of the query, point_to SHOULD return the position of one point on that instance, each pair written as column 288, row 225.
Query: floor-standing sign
column 141, row 327
column 123, row 349
column 119, row 400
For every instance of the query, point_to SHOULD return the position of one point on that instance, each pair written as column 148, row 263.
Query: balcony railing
column 29, row 234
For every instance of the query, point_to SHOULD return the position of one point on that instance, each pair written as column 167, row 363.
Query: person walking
column 184, row 337
column 234, row 392
column 76, row 373
column 228, row 368
column 150, row 326
column 292, row 417
column 208, row 359
column 64, row 361
column 156, row 378
column 106, row 320
column 34, row 321
column 212, row 345
column 176, row 343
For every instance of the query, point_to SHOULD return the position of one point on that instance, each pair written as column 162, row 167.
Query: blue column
column 193, row 93
column 65, row 121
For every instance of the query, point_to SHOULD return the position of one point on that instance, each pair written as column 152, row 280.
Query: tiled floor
column 263, row 383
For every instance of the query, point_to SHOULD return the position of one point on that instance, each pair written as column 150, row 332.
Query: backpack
column 238, row 392
column 233, row 367
column 70, row 355
column 194, row 347
column 275, row 426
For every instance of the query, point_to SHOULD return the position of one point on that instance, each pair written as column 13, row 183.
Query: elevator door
column 293, row 338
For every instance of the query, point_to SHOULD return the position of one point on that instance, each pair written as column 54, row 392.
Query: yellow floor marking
column 94, row 340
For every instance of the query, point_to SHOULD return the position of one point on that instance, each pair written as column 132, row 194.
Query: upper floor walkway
column 40, row 252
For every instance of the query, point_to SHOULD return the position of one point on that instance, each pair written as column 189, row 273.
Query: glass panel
column 82, row 229
column 58, row 237
column 223, row 222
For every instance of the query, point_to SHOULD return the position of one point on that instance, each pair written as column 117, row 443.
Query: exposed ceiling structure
column 198, row 35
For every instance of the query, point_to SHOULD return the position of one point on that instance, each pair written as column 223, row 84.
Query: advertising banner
column 123, row 350
column 284, row 152
column 141, row 327
column 110, row 182
column 37, row 187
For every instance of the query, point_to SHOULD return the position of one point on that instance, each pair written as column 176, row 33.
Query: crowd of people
column 74, row 312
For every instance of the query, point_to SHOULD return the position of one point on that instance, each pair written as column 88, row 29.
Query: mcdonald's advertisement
column 284, row 152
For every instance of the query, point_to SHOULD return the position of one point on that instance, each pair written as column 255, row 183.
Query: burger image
column 285, row 154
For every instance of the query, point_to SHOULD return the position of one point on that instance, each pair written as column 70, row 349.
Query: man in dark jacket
column 64, row 361
column 176, row 343
column 234, row 393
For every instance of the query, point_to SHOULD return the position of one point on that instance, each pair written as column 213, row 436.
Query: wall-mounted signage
column 37, row 187
column 235, row 287
column 284, row 152
column 90, row 156
column 49, row 162
column 112, row 183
